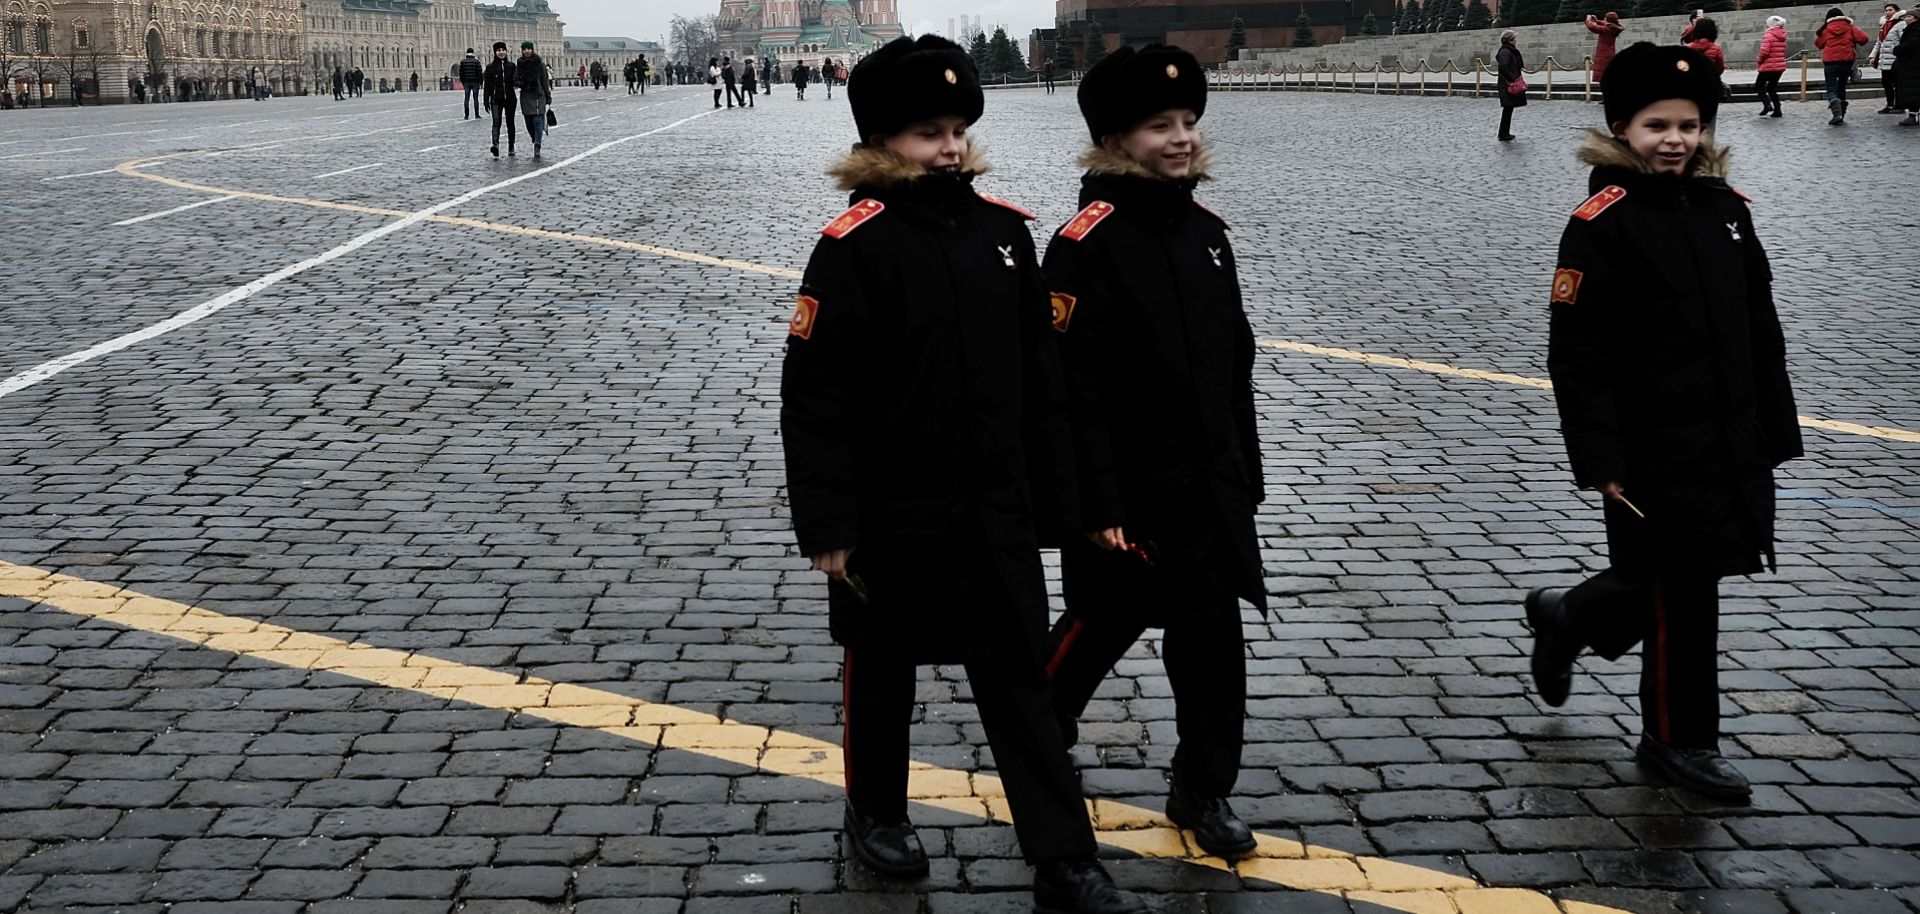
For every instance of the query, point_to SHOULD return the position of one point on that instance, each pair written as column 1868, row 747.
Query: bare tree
column 693, row 40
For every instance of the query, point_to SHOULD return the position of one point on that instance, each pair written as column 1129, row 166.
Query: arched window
column 82, row 35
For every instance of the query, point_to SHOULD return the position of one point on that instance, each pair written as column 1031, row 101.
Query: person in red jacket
column 1607, row 30
column 1773, row 65
column 1838, row 40
column 1705, row 32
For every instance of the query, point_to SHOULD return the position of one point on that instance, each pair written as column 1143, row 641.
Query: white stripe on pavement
column 52, row 152
column 103, row 171
column 348, row 171
column 432, row 148
column 168, row 212
column 202, row 311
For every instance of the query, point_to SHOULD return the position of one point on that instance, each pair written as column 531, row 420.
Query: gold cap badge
column 1173, row 72
column 1682, row 66
column 953, row 79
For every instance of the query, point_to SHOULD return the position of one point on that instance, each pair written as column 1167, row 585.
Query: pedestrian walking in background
column 1772, row 65
column 1882, row 56
column 498, row 85
column 829, row 73
column 766, row 75
column 1047, row 73
column 1159, row 364
column 713, row 79
column 1706, row 35
column 1906, row 67
column 536, row 93
column 339, row 84
column 1606, row 32
column 1839, row 40
column 799, row 81
column 920, row 360
column 413, row 82
column 749, row 79
column 1669, row 372
column 471, row 75
column 1512, row 81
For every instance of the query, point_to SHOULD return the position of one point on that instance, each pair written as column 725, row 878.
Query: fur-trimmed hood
column 1098, row 161
column 1601, row 150
column 877, row 167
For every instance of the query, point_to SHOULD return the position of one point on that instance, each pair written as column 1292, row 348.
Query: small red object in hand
column 1145, row 552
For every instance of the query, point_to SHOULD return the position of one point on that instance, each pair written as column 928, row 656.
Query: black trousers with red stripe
column 1206, row 665
column 1049, row 816
column 1677, row 619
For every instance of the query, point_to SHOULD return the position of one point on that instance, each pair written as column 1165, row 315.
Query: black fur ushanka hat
column 1647, row 73
column 910, row 80
column 1129, row 86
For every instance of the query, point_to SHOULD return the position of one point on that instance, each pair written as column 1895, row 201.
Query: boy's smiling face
column 1162, row 144
column 937, row 144
column 1665, row 134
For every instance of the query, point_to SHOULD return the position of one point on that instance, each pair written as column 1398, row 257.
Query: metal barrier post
column 1549, row 69
column 1479, row 72
column 1588, row 96
column 1803, row 76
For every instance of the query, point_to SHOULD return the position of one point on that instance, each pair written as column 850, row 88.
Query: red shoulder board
column 853, row 218
column 1740, row 193
column 1083, row 224
column 1599, row 202
column 1209, row 211
column 996, row 201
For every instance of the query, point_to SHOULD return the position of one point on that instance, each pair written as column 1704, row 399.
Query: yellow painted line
column 1387, row 361
column 128, row 168
column 1388, row 884
column 1498, row 377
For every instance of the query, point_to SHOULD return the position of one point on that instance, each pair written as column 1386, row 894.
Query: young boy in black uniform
column 1670, row 373
column 923, row 417
column 1159, row 360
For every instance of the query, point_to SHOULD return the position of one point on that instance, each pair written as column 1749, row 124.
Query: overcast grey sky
column 647, row 19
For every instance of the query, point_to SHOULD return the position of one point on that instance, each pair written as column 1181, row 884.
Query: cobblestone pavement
column 446, row 557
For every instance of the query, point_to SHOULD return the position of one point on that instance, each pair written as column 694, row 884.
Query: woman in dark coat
column 1669, row 371
column 800, row 80
column 1906, row 69
column 1512, row 68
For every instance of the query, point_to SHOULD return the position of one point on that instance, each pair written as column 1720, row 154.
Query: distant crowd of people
column 1895, row 52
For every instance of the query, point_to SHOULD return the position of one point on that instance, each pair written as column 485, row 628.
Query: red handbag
column 1518, row 86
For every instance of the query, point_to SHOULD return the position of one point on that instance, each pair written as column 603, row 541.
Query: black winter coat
column 923, row 418
column 1511, row 65
column 499, row 83
column 1669, row 367
column 470, row 71
column 1159, row 359
column 1906, row 68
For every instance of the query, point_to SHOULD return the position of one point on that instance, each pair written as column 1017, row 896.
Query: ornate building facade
column 50, row 48
column 394, row 39
column 207, row 48
column 807, row 30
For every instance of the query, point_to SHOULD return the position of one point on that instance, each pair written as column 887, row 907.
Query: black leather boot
column 1703, row 771
column 890, row 850
column 1079, row 887
column 1554, row 649
column 1211, row 819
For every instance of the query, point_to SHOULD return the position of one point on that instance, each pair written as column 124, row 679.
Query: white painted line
column 103, row 171
column 258, row 148
column 206, row 309
column 593, row 118
column 178, row 209
column 89, row 136
column 432, row 148
column 51, row 152
column 348, row 171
